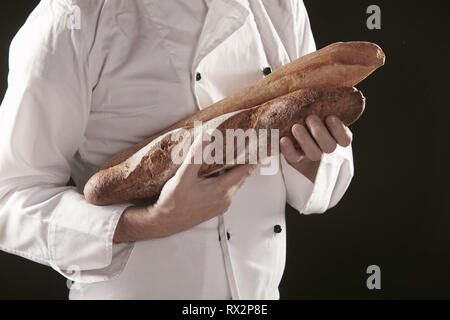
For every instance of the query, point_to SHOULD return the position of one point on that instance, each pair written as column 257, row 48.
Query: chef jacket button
column 228, row 236
column 277, row 228
column 267, row 71
column 198, row 76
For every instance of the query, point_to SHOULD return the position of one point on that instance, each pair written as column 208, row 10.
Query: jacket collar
column 223, row 18
column 273, row 45
column 226, row 16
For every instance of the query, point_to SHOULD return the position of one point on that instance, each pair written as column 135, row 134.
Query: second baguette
column 341, row 64
column 144, row 173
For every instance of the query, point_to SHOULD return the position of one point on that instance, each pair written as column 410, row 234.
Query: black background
column 395, row 214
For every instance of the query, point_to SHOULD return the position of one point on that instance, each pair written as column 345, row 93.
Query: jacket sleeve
column 42, row 121
column 336, row 169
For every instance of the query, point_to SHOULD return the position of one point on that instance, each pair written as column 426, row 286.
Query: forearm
column 137, row 223
column 181, row 204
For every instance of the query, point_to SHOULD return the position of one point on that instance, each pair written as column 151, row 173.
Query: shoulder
column 57, row 32
column 62, row 17
column 58, row 24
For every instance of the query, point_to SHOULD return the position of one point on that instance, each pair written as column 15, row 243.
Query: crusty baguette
column 282, row 113
column 341, row 64
column 144, row 173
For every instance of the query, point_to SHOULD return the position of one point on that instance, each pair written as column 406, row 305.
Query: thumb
column 194, row 157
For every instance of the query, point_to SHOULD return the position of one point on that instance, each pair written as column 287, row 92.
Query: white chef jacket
column 89, row 78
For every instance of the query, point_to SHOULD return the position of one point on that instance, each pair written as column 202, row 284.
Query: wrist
column 307, row 167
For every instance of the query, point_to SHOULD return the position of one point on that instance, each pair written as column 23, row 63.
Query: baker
column 78, row 95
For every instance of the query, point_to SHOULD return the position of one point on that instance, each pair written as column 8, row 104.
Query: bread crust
column 144, row 174
column 341, row 64
column 319, row 83
column 282, row 113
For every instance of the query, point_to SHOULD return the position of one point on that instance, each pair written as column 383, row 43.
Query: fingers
column 317, row 138
column 340, row 132
column 321, row 134
column 234, row 177
column 306, row 142
column 288, row 150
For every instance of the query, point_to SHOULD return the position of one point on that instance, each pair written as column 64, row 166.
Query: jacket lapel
column 223, row 18
column 273, row 45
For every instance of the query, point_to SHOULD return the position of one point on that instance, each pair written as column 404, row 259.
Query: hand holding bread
column 318, row 84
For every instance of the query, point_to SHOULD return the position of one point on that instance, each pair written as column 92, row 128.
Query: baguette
column 144, row 174
column 341, row 64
